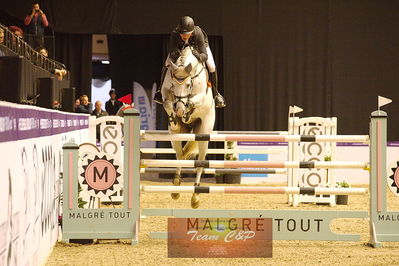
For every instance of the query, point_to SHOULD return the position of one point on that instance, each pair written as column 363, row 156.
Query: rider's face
column 185, row 36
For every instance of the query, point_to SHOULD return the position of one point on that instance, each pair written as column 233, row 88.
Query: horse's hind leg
column 177, row 146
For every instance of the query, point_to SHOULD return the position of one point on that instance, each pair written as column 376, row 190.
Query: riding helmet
column 186, row 25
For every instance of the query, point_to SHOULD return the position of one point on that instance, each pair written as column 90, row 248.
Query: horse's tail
column 189, row 150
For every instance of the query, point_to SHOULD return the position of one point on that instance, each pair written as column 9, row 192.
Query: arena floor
column 154, row 252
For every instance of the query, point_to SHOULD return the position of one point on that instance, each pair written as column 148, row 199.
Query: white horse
column 189, row 105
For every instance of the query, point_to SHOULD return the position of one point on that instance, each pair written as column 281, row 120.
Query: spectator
column 98, row 111
column 1, row 36
column 16, row 39
column 85, row 106
column 41, row 56
column 42, row 51
column 35, row 23
column 1, row 42
column 77, row 103
column 60, row 73
column 17, row 31
column 112, row 106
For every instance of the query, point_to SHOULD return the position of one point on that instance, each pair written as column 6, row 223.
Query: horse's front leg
column 173, row 122
column 202, row 151
column 177, row 146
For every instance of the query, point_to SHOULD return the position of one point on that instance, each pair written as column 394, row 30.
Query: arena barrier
column 287, row 224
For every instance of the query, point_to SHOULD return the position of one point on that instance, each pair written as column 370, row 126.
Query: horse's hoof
column 177, row 180
column 195, row 201
column 175, row 196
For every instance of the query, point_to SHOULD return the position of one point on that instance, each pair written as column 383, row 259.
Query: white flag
column 383, row 101
column 295, row 109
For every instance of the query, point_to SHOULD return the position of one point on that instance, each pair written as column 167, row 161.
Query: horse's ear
column 173, row 66
column 188, row 68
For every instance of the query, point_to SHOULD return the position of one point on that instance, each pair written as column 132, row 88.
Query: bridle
column 181, row 81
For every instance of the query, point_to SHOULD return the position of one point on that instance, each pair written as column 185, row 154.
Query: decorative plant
column 343, row 184
column 81, row 202
column 230, row 156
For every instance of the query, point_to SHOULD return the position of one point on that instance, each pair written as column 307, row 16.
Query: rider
column 187, row 33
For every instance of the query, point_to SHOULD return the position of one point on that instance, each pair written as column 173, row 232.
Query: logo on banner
column 219, row 237
column 99, row 175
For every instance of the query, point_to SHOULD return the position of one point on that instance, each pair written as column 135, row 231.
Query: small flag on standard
column 295, row 109
column 383, row 101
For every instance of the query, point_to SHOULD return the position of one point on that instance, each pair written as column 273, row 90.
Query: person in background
column 98, row 111
column 42, row 51
column 40, row 56
column 17, row 31
column 35, row 23
column 112, row 106
column 1, row 42
column 77, row 103
column 17, row 41
column 1, row 36
column 85, row 106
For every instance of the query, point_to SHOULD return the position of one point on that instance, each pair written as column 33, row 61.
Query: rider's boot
column 219, row 100
column 158, row 93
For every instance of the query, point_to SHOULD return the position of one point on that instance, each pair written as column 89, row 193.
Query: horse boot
column 158, row 94
column 219, row 100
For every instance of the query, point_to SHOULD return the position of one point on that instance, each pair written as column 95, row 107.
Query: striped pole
column 214, row 151
column 254, row 164
column 214, row 171
column 262, row 138
column 255, row 190
column 166, row 132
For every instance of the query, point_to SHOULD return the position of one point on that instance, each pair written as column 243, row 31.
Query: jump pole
column 254, row 190
column 249, row 137
column 172, row 170
column 253, row 164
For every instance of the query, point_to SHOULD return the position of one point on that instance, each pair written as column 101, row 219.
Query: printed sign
column 219, row 237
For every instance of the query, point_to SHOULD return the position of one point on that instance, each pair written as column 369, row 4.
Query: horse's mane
column 186, row 52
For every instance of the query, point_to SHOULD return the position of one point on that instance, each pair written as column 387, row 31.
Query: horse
column 190, row 107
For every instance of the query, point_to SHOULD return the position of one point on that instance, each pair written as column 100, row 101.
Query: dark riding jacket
column 198, row 40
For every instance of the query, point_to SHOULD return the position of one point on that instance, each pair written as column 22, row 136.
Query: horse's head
column 182, row 82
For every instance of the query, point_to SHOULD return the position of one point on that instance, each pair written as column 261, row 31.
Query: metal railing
column 20, row 47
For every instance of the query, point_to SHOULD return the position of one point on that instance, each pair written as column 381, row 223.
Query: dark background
column 330, row 57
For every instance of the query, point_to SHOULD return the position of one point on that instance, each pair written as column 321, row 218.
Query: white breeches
column 210, row 62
